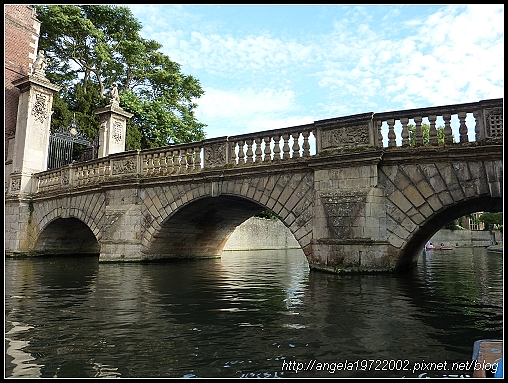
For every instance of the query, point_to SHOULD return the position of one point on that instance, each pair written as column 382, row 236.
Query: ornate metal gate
column 61, row 146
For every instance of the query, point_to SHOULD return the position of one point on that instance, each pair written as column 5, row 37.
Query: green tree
column 492, row 220
column 426, row 134
column 267, row 214
column 92, row 47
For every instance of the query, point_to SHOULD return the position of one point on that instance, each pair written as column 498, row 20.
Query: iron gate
column 61, row 146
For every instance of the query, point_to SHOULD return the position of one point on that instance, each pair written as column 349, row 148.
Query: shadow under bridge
column 201, row 228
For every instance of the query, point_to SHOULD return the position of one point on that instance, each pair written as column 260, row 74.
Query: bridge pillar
column 350, row 233
column 112, row 130
column 31, row 141
column 121, row 233
column 27, row 154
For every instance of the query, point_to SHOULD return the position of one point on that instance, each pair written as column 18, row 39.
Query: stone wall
column 265, row 234
column 467, row 238
column 261, row 234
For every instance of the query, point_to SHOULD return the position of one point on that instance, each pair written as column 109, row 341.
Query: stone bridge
column 357, row 193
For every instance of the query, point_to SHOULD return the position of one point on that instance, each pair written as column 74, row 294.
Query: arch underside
column 449, row 213
column 202, row 228
column 67, row 236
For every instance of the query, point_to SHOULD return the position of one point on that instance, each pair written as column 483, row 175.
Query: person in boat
column 429, row 245
column 442, row 245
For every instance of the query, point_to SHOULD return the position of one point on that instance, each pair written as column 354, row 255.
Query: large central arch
column 201, row 228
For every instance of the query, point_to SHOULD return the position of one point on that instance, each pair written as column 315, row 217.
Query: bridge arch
column 416, row 242
column 198, row 221
column 66, row 236
column 57, row 221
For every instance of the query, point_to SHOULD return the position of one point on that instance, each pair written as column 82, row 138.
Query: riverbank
column 268, row 234
column 467, row 238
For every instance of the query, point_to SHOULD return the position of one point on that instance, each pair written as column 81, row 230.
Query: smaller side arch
column 416, row 242
column 66, row 236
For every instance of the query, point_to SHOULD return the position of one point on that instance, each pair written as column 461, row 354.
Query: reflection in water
column 249, row 314
column 23, row 368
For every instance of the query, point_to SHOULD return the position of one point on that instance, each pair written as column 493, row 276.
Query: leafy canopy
column 426, row 134
column 91, row 47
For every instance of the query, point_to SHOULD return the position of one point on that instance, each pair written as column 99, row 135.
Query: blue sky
column 275, row 66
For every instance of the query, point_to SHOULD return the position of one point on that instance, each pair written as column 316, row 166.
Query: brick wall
column 20, row 46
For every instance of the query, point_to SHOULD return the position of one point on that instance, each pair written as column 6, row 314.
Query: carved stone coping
column 24, row 83
column 112, row 108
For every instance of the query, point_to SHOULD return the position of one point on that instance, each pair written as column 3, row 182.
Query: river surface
column 249, row 314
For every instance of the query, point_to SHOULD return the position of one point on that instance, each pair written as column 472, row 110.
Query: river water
column 249, row 314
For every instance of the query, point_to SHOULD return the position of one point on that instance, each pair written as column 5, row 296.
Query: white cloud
column 362, row 63
column 246, row 110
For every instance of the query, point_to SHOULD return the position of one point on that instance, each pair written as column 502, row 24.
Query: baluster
column 91, row 174
column 268, row 149
column 433, row 131
column 101, row 171
column 391, row 133
column 259, row 152
column 156, row 163
column 232, row 152
column 405, row 132
column 40, row 184
column 448, row 135
column 197, row 159
column 163, row 165
column 379, row 125
column 241, row 154
column 296, row 145
column 170, row 167
column 463, row 127
column 478, row 136
column 276, row 148
column 285, row 148
column 418, row 131
column 149, row 165
column 250, row 154
column 306, row 144
column 77, row 175
column 108, row 169
column 183, row 161
column 176, row 161
column 190, row 160
column 83, row 175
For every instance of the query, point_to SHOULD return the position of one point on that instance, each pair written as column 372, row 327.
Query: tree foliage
column 426, row 134
column 92, row 47
column 492, row 220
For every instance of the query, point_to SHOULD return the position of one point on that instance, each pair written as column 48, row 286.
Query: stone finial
column 40, row 64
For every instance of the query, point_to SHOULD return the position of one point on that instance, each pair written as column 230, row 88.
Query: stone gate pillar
column 113, row 127
column 31, row 142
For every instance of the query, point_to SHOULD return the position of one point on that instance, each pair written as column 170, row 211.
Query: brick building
column 21, row 39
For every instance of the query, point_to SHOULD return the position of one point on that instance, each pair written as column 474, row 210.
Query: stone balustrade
column 485, row 117
column 357, row 132
column 271, row 145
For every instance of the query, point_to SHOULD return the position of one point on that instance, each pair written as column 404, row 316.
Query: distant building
column 473, row 222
